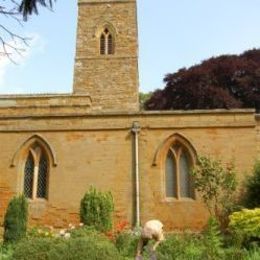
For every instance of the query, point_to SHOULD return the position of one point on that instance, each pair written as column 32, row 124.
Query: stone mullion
column 36, row 157
column 106, row 44
column 35, row 182
column 178, row 193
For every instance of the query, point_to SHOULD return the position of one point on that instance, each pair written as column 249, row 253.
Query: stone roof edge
column 104, row 1
column 175, row 112
column 40, row 95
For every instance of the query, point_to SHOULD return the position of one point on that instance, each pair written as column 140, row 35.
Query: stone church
column 54, row 147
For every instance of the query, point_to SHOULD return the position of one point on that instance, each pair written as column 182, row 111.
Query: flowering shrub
column 216, row 185
column 120, row 227
column 41, row 232
column 246, row 222
column 50, row 232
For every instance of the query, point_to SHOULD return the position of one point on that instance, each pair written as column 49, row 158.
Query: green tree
column 143, row 97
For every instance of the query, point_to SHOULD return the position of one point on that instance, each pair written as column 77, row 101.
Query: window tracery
column 107, row 44
column 36, row 173
column 178, row 181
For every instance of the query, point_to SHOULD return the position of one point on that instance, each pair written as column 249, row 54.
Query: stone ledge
column 44, row 100
column 105, row 1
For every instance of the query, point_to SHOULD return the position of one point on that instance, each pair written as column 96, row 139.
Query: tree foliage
column 16, row 12
column 28, row 7
column 228, row 81
column 143, row 97
column 252, row 192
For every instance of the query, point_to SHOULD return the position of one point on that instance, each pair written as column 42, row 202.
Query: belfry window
column 36, row 173
column 178, row 181
column 107, row 44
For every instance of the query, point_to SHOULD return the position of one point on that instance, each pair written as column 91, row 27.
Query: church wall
column 97, row 150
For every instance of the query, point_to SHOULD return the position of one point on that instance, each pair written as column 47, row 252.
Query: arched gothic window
column 36, row 173
column 107, row 44
column 178, row 181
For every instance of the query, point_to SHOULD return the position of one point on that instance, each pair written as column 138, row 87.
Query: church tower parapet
column 106, row 65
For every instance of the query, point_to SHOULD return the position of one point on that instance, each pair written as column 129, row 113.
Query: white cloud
column 7, row 64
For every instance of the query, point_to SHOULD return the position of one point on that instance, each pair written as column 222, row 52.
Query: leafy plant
column 246, row 224
column 252, row 193
column 216, row 186
column 181, row 246
column 96, row 209
column 15, row 221
column 6, row 251
column 212, row 240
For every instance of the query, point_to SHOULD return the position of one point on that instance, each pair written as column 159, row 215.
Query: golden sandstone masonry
column 54, row 147
column 111, row 80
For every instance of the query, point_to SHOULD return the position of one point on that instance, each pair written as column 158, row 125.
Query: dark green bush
column 126, row 243
column 82, row 248
column 96, row 209
column 91, row 248
column 234, row 253
column 87, row 231
column 35, row 249
column 252, row 192
column 15, row 221
column 179, row 247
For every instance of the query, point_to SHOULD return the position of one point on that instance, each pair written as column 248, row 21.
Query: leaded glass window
column 42, row 177
column 106, row 42
column 178, row 181
column 28, row 176
column 171, row 175
column 36, row 173
column 102, row 44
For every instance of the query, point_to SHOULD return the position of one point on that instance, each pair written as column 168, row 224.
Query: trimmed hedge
column 96, row 209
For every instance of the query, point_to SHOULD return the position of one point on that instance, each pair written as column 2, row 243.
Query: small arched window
column 107, row 44
column 178, row 181
column 36, row 173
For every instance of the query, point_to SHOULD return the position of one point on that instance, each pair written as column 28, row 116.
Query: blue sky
column 172, row 34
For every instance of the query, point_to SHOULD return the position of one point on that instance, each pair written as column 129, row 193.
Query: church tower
column 106, row 65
